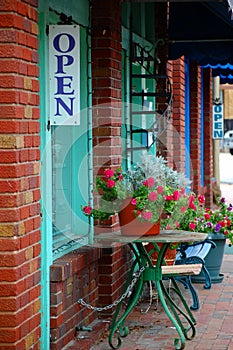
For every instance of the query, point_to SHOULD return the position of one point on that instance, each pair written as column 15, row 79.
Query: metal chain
column 115, row 303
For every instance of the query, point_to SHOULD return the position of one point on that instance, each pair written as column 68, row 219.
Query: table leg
column 173, row 311
column 118, row 322
column 187, row 315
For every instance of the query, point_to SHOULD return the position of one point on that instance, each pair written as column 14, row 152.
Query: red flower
column 149, row 182
column 111, row 183
column 192, row 226
column 87, row 210
column 222, row 223
column 191, row 199
column 192, row 206
column 168, row 198
column 207, row 216
column 201, row 199
column 191, row 203
column 176, row 195
column 108, row 173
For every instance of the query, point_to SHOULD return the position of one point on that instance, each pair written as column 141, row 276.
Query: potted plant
column 146, row 191
column 218, row 223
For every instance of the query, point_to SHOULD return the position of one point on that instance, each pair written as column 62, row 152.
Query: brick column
column 179, row 114
column 195, row 126
column 19, row 173
column 107, row 120
column 106, row 73
column 208, row 143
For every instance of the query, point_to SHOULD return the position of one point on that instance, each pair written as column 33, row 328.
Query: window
column 66, row 157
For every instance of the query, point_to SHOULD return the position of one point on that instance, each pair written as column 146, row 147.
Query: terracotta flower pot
column 131, row 226
column 170, row 255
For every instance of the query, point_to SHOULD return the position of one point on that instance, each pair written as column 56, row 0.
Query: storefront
column 84, row 86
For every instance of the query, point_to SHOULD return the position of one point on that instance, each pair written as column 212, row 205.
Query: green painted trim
column 46, row 225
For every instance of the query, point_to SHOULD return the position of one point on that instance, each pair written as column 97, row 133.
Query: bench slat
column 181, row 270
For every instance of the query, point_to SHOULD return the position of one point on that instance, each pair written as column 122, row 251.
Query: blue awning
column 201, row 31
column 224, row 71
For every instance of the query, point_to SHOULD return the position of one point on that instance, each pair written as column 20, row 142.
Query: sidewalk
column 154, row 330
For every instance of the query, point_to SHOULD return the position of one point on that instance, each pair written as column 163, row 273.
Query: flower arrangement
column 108, row 187
column 200, row 219
column 151, row 186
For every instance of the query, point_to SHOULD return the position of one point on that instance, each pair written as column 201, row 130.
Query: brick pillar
column 195, row 126
column 107, row 120
column 106, row 73
column 179, row 114
column 208, row 143
column 19, row 173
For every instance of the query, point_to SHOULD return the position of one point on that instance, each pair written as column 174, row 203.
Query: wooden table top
column 165, row 236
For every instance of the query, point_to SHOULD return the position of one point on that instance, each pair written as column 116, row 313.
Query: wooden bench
column 181, row 270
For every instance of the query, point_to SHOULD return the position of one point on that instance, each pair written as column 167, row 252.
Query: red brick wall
column 19, row 173
column 195, row 126
column 73, row 277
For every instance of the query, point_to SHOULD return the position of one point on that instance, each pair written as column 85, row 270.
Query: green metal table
column 147, row 270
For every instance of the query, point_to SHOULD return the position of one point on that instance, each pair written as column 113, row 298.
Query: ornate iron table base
column 148, row 272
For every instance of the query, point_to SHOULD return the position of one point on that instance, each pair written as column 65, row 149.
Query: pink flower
column 120, row 177
column 147, row 215
column 191, row 202
column 177, row 224
column 110, row 183
column 182, row 191
column 133, row 201
column 176, row 195
column 87, row 210
column 160, row 189
column 191, row 199
column 192, row 226
column 108, row 173
column 183, row 209
column 168, row 227
column 153, row 196
column 192, row 206
column 149, row 182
